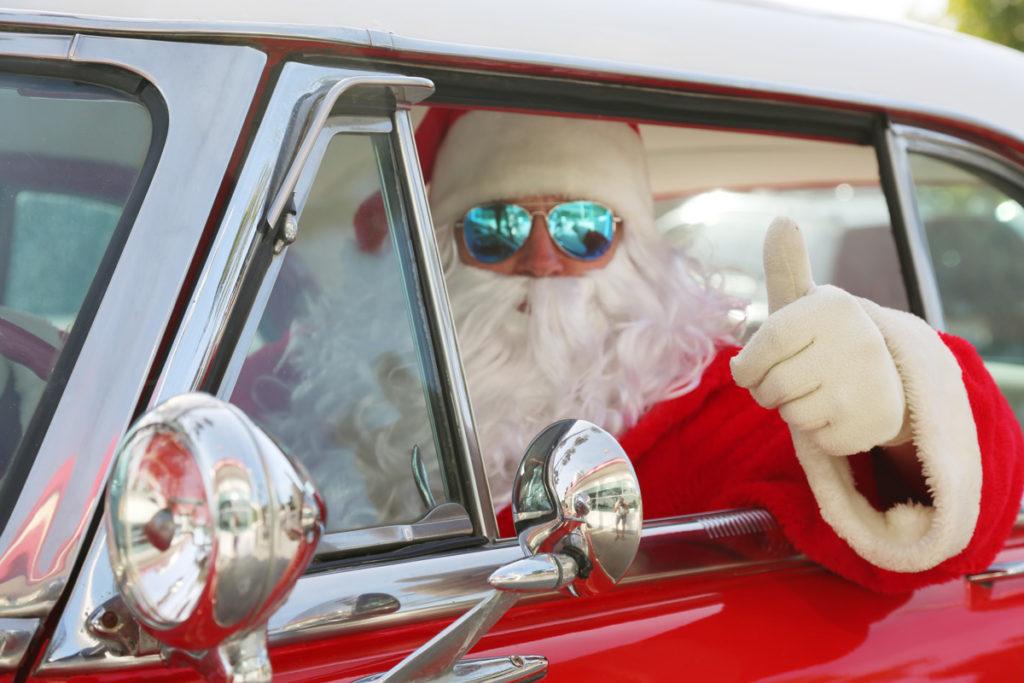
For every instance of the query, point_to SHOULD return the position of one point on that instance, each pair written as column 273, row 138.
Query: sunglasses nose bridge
column 539, row 255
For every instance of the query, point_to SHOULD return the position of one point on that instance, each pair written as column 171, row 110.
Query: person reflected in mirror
column 881, row 446
column 621, row 511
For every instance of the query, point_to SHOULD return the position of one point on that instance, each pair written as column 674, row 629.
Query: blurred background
column 1001, row 21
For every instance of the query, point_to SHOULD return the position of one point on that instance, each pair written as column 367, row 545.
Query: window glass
column 717, row 191
column 70, row 155
column 335, row 371
column 975, row 229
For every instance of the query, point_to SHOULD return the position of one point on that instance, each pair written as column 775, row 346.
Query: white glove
column 819, row 357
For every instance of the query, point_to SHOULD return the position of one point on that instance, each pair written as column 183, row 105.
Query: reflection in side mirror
column 209, row 526
column 576, row 494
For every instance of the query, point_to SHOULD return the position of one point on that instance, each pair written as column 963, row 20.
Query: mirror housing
column 209, row 526
column 576, row 494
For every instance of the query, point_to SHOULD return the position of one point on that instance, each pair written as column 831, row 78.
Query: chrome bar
column 15, row 637
column 481, row 508
column 922, row 141
column 35, row 45
column 998, row 572
column 924, row 272
column 446, row 520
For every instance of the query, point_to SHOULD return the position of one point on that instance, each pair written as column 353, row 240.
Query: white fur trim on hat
column 491, row 155
column 910, row 537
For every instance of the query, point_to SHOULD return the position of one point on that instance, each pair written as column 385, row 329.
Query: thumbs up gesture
column 819, row 357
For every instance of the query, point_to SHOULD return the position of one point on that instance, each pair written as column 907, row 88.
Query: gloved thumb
column 787, row 268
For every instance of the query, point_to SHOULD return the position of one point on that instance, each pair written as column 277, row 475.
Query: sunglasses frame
column 616, row 220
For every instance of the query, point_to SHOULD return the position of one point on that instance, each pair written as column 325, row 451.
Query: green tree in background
column 1001, row 21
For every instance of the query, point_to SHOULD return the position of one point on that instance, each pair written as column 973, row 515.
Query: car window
column 70, row 155
column 336, row 371
column 717, row 191
column 974, row 224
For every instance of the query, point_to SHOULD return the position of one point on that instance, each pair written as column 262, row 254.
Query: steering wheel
column 29, row 347
column 24, row 348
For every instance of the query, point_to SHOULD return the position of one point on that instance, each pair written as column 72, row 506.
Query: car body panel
column 796, row 622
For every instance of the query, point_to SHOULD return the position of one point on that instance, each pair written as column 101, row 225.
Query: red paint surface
column 798, row 623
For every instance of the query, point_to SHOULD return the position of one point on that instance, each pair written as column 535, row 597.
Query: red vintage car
column 180, row 185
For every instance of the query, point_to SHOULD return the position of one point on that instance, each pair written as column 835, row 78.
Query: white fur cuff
column 910, row 537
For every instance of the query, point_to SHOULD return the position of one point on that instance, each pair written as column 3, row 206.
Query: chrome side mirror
column 576, row 495
column 578, row 513
column 209, row 526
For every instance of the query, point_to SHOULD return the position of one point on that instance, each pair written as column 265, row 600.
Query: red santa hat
column 472, row 157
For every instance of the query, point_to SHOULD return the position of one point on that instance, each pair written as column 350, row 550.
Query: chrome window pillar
column 955, row 150
column 902, row 140
column 450, row 362
column 917, row 241
column 208, row 90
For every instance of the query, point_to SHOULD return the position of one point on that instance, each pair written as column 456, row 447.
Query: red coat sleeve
column 715, row 448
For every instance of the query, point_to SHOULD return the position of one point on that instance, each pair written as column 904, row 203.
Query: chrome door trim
column 436, row 300
column 50, row 521
column 386, row 595
column 33, row 45
column 15, row 637
column 917, row 240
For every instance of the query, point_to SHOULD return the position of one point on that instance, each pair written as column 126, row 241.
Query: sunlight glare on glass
column 1008, row 211
column 704, row 209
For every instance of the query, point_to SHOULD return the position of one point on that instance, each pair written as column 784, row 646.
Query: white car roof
column 743, row 43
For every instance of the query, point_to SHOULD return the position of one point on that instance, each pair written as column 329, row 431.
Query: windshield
column 70, row 156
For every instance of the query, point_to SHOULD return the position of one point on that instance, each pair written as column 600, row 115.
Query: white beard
column 603, row 347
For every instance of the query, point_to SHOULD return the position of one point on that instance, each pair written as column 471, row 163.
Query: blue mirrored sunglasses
column 581, row 229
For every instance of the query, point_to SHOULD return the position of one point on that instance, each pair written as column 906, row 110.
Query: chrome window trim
column 73, row 646
column 382, row 596
column 15, row 637
column 917, row 240
column 453, row 375
column 51, row 518
column 932, row 143
column 237, row 237
column 298, row 94
column 903, row 139
column 34, row 45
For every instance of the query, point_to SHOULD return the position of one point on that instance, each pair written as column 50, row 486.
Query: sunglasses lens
column 583, row 229
column 493, row 232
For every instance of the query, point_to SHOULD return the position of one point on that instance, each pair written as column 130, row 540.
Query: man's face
column 539, row 256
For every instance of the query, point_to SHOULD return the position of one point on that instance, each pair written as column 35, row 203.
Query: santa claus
column 882, row 447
